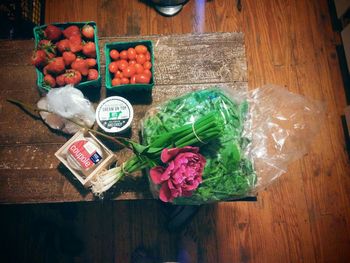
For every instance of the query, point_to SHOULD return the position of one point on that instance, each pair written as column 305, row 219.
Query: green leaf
column 138, row 148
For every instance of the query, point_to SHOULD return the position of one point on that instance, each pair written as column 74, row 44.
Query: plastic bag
column 282, row 126
column 67, row 103
column 265, row 130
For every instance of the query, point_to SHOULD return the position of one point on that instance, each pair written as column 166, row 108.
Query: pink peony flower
column 182, row 175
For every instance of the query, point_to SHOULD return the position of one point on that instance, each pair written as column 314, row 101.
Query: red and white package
column 84, row 154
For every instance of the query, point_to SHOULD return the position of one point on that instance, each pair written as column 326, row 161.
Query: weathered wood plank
column 48, row 185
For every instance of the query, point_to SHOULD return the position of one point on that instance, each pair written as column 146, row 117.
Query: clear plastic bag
column 282, row 126
column 265, row 130
column 66, row 103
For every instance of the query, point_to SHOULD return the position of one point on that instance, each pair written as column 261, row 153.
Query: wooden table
column 29, row 171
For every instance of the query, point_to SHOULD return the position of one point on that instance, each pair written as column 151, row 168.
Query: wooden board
column 29, row 145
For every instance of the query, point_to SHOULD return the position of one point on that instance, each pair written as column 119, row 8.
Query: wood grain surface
column 303, row 217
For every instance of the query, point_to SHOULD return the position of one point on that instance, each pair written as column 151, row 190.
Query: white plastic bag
column 67, row 103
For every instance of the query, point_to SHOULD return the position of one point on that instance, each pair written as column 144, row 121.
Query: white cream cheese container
column 114, row 114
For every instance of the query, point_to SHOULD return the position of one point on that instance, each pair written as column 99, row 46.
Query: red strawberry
column 60, row 80
column 52, row 32
column 56, row 66
column 88, row 31
column 89, row 49
column 75, row 44
column 50, row 81
column 91, row 62
column 45, row 70
column 39, row 58
column 81, row 65
column 68, row 57
column 93, row 74
column 72, row 77
column 47, row 45
column 63, row 45
column 71, row 31
column 50, row 55
column 44, row 42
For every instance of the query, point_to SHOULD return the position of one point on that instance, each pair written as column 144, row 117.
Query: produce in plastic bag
column 264, row 131
column 66, row 103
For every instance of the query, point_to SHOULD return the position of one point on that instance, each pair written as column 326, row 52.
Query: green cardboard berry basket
column 126, row 88
column 88, row 84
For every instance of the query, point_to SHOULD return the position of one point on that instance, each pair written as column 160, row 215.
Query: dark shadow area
column 107, row 231
column 39, row 233
column 344, row 69
column 346, row 135
column 18, row 18
column 92, row 93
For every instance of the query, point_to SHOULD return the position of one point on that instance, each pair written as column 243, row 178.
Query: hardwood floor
column 303, row 217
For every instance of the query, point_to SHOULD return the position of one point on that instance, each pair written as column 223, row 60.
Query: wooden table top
column 29, row 170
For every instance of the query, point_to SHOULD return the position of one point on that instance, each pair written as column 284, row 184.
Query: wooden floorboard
column 303, row 217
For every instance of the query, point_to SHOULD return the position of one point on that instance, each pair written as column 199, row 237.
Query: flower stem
column 118, row 140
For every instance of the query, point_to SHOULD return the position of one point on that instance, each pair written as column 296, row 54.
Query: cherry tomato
column 131, row 53
column 113, row 67
column 141, row 49
column 148, row 73
column 114, row 54
column 129, row 71
column 141, row 58
column 132, row 62
column 118, row 74
column 138, row 68
column 116, row 81
column 123, row 64
column 133, row 79
column 123, row 54
column 125, row 81
column 142, row 78
column 147, row 65
column 148, row 56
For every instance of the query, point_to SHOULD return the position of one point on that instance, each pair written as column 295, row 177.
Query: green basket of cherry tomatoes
column 67, row 53
column 129, row 66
